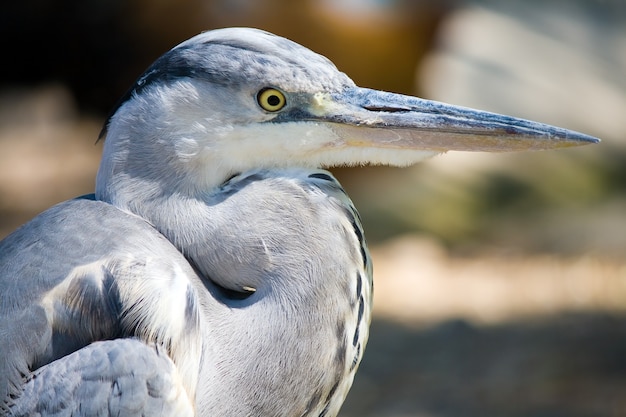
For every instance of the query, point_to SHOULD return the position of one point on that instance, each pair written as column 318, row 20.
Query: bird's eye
column 270, row 99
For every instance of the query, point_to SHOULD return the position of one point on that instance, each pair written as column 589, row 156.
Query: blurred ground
column 565, row 365
column 500, row 279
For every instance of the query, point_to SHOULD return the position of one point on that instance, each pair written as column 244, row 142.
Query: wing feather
column 122, row 377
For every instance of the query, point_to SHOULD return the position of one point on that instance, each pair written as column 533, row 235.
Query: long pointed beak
column 372, row 118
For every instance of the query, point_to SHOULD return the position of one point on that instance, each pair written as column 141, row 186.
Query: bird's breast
column 294, row 237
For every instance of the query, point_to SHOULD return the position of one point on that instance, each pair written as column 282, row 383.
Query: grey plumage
column 78, row 283
column 214, row 248
column 104, row 289
column 126, row 376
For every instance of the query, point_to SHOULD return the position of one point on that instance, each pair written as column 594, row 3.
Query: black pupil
column 273, row 100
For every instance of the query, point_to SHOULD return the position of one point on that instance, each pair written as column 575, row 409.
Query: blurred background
column 500, row 278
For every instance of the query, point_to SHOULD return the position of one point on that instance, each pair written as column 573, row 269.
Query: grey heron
column 218, row 269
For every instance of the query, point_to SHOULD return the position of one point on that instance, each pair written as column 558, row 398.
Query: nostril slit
column 386, row 109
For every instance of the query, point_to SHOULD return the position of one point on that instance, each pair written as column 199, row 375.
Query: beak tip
column 579, row 139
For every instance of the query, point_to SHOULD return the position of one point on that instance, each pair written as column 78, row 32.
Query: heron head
column 235, row 99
